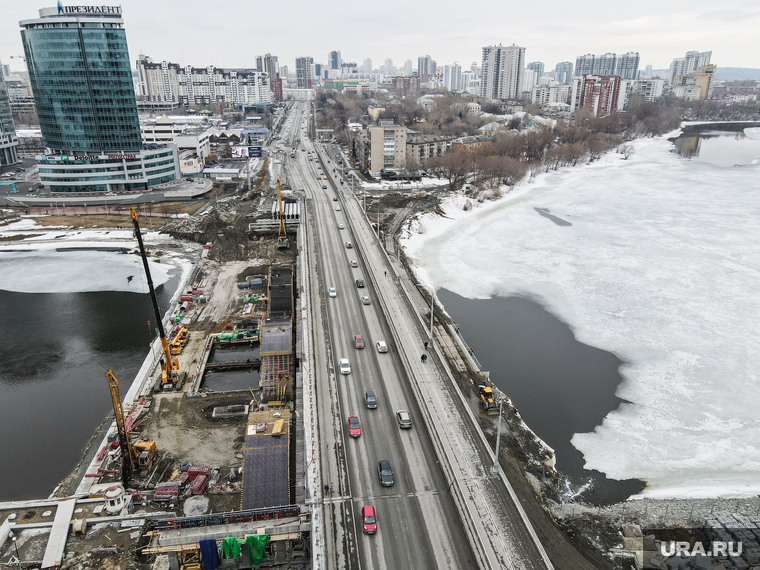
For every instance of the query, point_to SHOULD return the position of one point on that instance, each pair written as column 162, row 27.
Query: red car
column 354, row 426
column 369, row 522
column 358, row 341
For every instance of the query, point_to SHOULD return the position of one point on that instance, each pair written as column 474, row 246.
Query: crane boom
column 169, row 366
column 127, row 454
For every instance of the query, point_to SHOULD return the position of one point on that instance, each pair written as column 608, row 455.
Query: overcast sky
column 231, row 34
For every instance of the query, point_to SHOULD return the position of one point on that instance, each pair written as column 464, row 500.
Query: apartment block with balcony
column 421, row 148
column 387, row 147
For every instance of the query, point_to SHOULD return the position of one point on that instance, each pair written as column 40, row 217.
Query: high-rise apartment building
column 8, row 140
column 502, row 71
column 628, row 65
column 688, row 64
column 172, row 83
column 367, row 67
column 563, row 72
column 389, row 69
column 538, row 68
column 78, row 66
column 599, row 94
column 334, row 60
column 304, row 72
column 452, row 77
column 423, row 67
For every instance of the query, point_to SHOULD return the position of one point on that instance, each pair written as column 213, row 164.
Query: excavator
column 282, row 239
column 138, row 456
column 169, row 365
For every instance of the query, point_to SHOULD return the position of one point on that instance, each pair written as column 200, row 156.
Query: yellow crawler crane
column 139, row 455
column 169, row 365
column 282, row 239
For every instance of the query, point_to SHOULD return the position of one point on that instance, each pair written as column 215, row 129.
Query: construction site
column 202, row 450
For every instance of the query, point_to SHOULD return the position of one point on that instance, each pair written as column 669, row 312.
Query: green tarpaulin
column 256, row 544
column 230, row 547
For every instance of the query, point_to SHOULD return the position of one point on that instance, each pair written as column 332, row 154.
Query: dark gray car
column 370, row 399
column 385, row 473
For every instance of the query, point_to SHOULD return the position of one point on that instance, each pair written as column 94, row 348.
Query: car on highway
column 369, row 521
column 337, row 208
column 365, row 300
column 335, row 198
column 354, row 426
column 332, row 292
column 381, row 346
column 324, row 187
column 385, row 473
column 341, row 227
column 345, row 366
column 349, row 245
column 360, row 283
column 370, row 400
column 358, row 341
column 354, row 263
column 403, row 419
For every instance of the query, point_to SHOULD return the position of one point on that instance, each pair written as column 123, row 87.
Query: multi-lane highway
column 446, row 509
column 418, row 523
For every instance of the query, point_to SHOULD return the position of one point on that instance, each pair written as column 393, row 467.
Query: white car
column 332, row 292
column 341, row 227
column 354, row 263
column 381, row 346
column 345, row 367
column 365, row 301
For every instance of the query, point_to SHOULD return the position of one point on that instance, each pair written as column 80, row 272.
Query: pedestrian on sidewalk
column 386, row 274
column 424, row 358
column 426, row 345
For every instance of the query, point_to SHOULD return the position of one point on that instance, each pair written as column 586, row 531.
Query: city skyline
column 560, row 35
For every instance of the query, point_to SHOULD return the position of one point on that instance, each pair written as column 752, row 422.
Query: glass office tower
column 80, row 74
column 8, row 141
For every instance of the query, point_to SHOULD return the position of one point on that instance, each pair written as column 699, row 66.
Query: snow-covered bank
column 70, row 261
column 652, row 258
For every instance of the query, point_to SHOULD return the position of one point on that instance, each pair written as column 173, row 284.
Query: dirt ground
column 183, row 427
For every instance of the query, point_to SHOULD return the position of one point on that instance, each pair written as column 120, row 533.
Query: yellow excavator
column 169, row 365
column 282, row 238
column 138, row 456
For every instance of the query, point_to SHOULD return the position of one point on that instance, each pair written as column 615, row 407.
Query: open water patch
column 559, row 385
column 721, row 144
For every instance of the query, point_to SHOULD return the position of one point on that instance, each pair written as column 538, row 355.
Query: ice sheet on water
column 659, row 266
column 752, row 133
column 50, row 271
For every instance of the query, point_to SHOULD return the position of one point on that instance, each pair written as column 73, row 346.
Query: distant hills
column 736, row 73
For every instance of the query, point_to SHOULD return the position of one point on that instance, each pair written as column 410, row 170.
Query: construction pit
column 224, row 466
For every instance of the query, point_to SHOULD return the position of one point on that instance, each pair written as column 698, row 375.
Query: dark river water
column 559, row 385
column 721, row 144
column 55, row 349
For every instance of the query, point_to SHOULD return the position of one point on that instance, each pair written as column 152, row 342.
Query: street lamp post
column 17, row 554
column 495, row 470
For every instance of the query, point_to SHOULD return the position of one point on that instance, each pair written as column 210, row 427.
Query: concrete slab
column 58, row 534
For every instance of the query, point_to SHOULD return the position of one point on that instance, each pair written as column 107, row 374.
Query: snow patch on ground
column 654, row 259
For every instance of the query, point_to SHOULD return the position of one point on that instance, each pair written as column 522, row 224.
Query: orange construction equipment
column 169, row 365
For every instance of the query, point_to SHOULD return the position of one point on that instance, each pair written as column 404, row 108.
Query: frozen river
column 653, row 259
column 67, row 317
